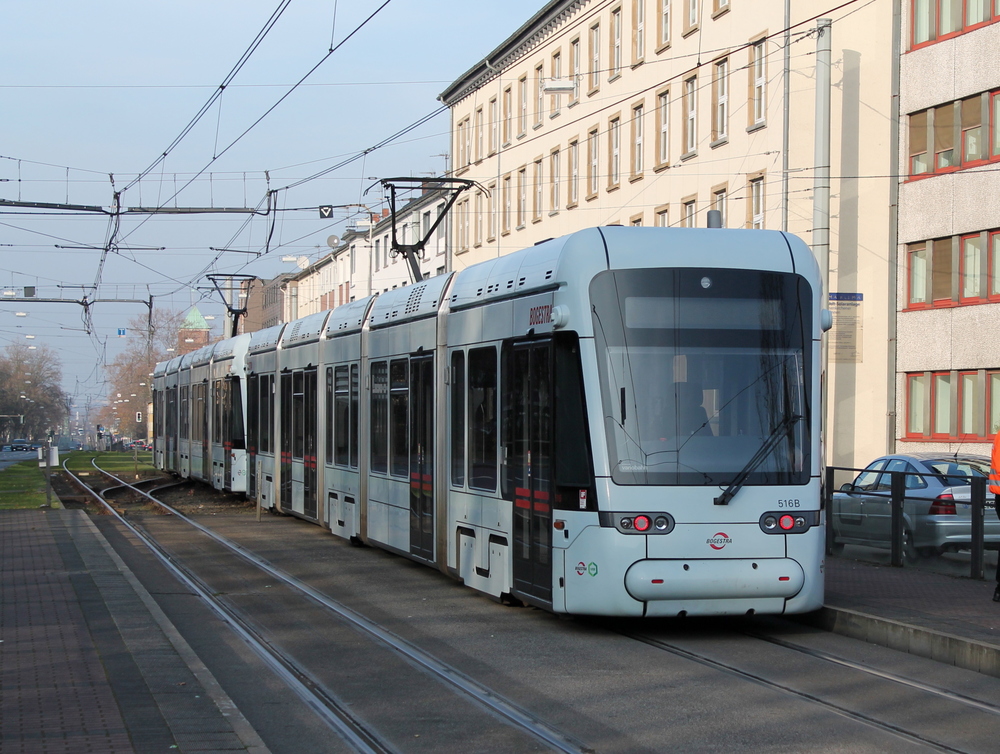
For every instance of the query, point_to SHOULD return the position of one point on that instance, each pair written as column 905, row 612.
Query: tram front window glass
column 699, row 369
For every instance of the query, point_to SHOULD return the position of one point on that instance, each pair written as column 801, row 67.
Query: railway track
column 874, row 699
column 357, row 732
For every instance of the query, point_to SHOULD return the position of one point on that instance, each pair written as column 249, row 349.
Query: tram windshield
column 699, row 369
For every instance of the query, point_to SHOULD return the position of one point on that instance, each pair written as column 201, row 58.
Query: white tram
column 621, row 421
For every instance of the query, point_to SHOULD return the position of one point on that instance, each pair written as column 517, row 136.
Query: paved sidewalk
column 946, row 618
column 88, row 662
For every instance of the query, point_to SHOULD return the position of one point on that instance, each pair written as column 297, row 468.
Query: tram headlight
column 626, row 523
column 770, row 522
column 642, row 523
column 661, row 523
column 800, row 522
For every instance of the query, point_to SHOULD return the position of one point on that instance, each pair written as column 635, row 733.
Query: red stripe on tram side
column 520, row 503
column 541, row 495
column 522, row 492
column 543, row 507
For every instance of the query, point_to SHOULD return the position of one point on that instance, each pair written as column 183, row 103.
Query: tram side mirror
column 826, row 319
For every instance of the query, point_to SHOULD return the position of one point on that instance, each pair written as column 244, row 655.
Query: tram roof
column 348, row 318
column 409, row 302
column 304, row 330
column 266, row 339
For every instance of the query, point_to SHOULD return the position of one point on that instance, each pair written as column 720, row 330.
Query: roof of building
column 195, row 321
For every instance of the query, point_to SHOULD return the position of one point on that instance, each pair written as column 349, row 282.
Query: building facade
column 948, row 369
column 651, row 112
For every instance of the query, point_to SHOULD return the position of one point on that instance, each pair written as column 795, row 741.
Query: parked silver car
column 936, row 507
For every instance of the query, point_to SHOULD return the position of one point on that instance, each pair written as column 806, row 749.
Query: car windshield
column 955, row 472
column 699, row 369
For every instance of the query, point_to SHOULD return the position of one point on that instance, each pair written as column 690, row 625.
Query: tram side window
column 483, row 418
column 170, row 412
column 458, row 418
column 380, row 417
column 197, row 412
column 329, row 415
column 298, row 414
column 185, row 398
column 341, row 416
column 355, row 413
column 253, row 391
column 265, row 414
column 218, row 399
column 573, row 464
column 399, row 393
column 307, row 429
column 286, row 414
column 237, row 431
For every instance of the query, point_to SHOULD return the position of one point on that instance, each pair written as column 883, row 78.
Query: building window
column 378, row 254
column 638, row 30
column 958, row 133
column 539, row 95
column 690, row 115
column 593, row 173
column 616, row 43
column 505, row 222
column 480, row 136
column 494, row 127
column 491, row 217
column 756, row 203
column 758, row 84
column 463, row 143
column 554, row 173
column 573, row 190
column 637, row 141
column 956, row 270
column 720, row 202
column 664, row 25
column 662, row 217
column 507, row 115
column 479, row 219
column 663, row 128
column 959, row 405
column 522, row 197
column 554, row 102
column 720, row 100
column 933, row 20
column 688, row 208
column 522, row 99
column 574, row 69
column 536, row 215
column 595, row 57
column 614, row 152
column 690, row 16
column 720, row 6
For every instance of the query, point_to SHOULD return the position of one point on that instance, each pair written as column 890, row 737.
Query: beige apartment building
column 948, row 369
column 651, row 112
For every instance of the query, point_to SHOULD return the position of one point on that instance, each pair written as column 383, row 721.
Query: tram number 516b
column 789, row 504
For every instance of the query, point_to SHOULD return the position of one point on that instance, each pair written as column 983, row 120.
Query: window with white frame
column 758, row 84
column 638, row 30
column 688, row 213
column 538, row 192
column 478, row 239
column 508, row 104
column 494, row 126
column 539, row 95
column 756, row 202
column 480, row 135
column 720, row 97
column 720, row 202
column 491, row 216
column 593, row 171
column 637, row 141
column 690, row 115
column 614, row 151
column 691, row 20
column 522, row 100
column 574, row 69
column 507, row 199
column 616, row 43
column 574, row 173
column 663, row 128
column 378, row 254
column 662, row 217
column 555, row 102
column 522, row 197
column 554, row 174
column 664, row 24
column 595, row 56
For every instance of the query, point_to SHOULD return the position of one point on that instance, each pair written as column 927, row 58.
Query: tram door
column 422, row 457
column 528, row 414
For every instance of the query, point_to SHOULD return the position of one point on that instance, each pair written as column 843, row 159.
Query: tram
column 621, row 421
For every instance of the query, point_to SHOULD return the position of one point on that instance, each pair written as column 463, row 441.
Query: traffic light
column 100, row 431
column 138, row 417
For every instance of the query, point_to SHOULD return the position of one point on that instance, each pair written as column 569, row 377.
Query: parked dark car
column 20, row 444
column 936, row 506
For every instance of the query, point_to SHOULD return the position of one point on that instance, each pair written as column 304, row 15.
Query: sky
column 103, row 97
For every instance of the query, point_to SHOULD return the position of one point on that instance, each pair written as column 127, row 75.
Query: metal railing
column 898, row 494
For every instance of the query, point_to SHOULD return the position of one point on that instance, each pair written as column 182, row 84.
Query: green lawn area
column 23, row 486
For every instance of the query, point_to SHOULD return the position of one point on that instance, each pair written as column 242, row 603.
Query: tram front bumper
column 735, row 578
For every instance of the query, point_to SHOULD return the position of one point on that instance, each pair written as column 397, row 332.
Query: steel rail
column 483, row 695
column 348, row 727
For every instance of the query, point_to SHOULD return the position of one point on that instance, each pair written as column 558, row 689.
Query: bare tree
column 31, row 397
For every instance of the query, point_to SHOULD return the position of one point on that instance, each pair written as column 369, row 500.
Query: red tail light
column 943, row 505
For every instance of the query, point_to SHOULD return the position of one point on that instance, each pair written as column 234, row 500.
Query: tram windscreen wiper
column 776, row 436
